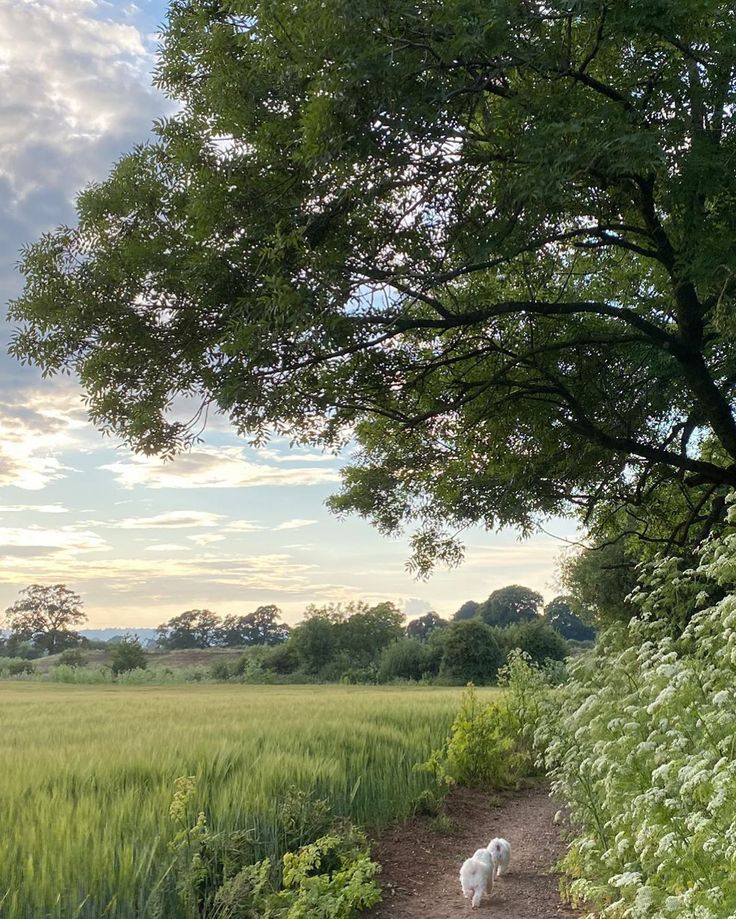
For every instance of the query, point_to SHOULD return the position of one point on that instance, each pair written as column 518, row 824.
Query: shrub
column 220, row 670
column 72, row 657
column 403, row 660
column 20, row 668
column 537, row 639
column 127, row 654
column 281, row 659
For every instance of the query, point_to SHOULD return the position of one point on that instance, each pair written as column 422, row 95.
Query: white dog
column 500, row 851
column 476, row 876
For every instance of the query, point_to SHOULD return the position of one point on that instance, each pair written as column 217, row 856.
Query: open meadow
column 88, row 776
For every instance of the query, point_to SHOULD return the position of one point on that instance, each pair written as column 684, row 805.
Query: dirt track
column 420, row 866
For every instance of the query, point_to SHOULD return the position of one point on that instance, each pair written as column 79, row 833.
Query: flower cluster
column 642, row 746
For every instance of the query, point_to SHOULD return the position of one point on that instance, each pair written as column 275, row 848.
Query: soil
column 421, row 866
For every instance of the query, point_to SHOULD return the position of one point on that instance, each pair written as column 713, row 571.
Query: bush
column 471, row 653
column 403, row 660
column 127, row 654
column 281, row 659
column 221, row 671
column 20, row 668
column 537, row 639
column 72, row 657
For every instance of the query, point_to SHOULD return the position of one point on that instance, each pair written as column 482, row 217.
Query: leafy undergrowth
column 213, row 875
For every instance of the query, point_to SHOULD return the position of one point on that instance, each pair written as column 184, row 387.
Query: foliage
column 560, row 615
column 45, row 616
column 315, row 642
column 403, row 660
column 72, row 657
column 128, row 654
column 470, row 653
column 538, row 640
column 261, row 627
column 324, row 876
column 423, row 626
column 640, row 742
column 333, row 641
column 510, row 605
column 469, row 610
column 195, row 628
column 599, row 580
column 201, row 628
column 76, row 765
column 18, row 667
column 490, row 241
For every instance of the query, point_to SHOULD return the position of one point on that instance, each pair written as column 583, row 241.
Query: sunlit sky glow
column 225, row 526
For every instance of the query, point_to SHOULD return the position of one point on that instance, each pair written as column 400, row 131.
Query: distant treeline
column 354, row 642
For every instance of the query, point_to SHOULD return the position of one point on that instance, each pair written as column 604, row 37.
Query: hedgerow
column 641, row 743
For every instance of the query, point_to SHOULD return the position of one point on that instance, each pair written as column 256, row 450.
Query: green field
column 87, row 774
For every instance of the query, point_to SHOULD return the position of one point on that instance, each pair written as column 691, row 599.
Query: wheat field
column 87, row 776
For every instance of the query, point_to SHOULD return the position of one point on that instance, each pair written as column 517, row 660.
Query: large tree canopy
column 492, row 239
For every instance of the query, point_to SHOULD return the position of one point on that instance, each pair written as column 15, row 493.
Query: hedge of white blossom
column 643, row 748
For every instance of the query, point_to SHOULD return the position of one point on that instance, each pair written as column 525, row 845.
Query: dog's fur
column 500, row 851
column 476, row 876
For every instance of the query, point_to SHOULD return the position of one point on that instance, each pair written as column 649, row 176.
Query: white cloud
column 172, row 520
column 243, row 526
column 166, row 547
column 212, row 467
column 38, row 541
column 33, row 509
column 38, row 426
column 71, row 81
column 206, row 539
column 296, row 524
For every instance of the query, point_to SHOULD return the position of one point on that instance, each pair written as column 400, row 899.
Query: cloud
column 212, row 467
column 38, row 541
column 244, row 526
column 166, row 547
column 415, row 606
column 74, row 90
column 295, row 456
column 296, row 524
column 33, row 509
column 206, row 539
column 173, row 520
column 39, row 426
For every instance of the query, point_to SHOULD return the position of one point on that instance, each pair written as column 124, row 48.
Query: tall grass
column 87, row 773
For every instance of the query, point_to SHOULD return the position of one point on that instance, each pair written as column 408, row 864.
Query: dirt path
column 420, row 866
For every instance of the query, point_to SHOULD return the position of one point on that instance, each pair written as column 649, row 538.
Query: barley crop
column 87, row 775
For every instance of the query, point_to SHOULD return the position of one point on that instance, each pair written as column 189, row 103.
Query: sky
column 224, row 527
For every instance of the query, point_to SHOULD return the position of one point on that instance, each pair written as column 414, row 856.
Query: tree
column 315, row 641
column 423, row 626
column 258, row 628
column 560, row 614
column 540, row 641
column 128, row 655
column 45, row 616
column 490, row 242
column 471, row 653
column 365, row 634
column 195, row 628
column 598, row 581
column 469, row 610
column 510, row 605
column 264, row 628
